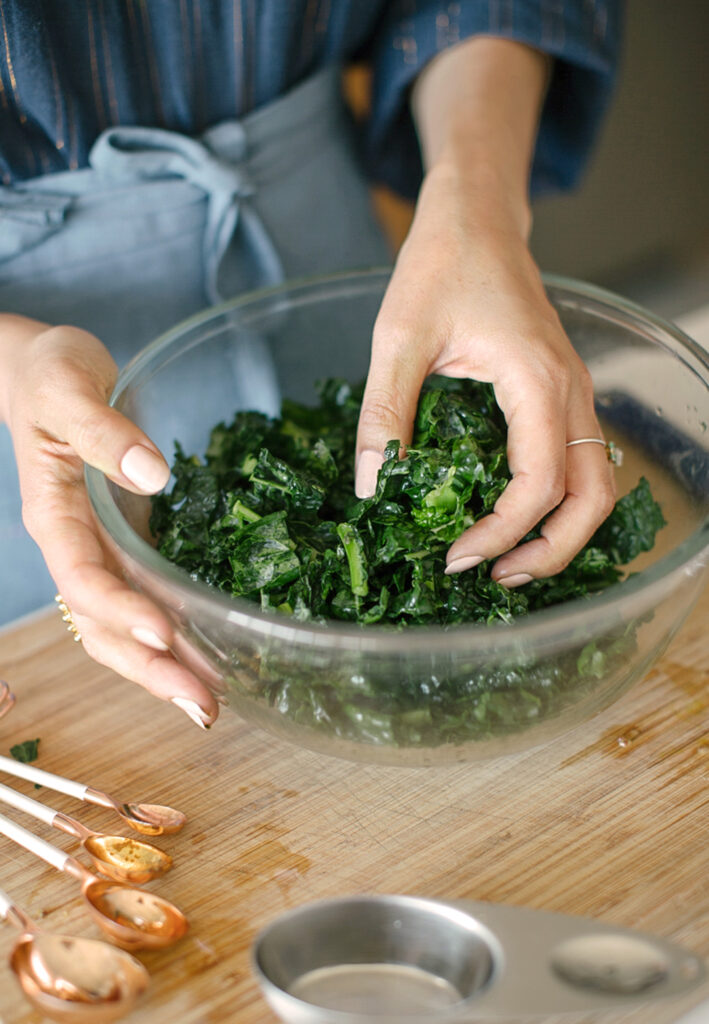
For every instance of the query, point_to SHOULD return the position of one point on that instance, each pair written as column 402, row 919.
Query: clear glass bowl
column 423, row 695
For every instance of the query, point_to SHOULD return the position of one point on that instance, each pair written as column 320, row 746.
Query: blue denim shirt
column 68, row 70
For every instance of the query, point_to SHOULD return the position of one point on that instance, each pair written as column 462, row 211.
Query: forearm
column 466, row 299
column 476, row 109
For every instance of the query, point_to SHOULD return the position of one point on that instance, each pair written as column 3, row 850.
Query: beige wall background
column 640, row 220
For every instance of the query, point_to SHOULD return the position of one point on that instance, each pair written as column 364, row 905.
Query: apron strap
column 27, row 218
column 135, row 154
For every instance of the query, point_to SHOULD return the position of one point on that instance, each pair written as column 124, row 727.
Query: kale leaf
column 26, row 751
column 270, row 515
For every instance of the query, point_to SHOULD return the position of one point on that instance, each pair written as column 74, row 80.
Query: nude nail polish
column 149, row 638
column 461, row 564
column 192, row 709
column 368, row 466
column 517, row 579
column 144, row 469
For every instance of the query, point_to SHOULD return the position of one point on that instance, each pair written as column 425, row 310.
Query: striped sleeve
column 582, row 35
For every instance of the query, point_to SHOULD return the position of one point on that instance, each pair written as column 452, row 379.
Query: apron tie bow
column 135, row 153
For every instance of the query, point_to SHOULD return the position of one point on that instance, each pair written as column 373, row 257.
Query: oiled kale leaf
column 270, row 515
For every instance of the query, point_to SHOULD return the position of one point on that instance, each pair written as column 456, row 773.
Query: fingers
column 59, row 419
column 158, row 673
column 535, row 448
column 74, row 375
column 76, row 561
column 574, row 484
column 105, row 439
column 589, row 499
column 57, row 514
column 397, row 370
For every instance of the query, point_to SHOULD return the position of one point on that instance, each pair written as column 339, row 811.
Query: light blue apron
column 161, row 225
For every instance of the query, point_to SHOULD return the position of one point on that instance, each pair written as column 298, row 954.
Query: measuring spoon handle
column 54, row 856
column 42, row 778
column 25, row 803
column 5, row 905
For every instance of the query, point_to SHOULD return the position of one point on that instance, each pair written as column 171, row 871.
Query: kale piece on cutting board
column 270, row 515
column 27, row 751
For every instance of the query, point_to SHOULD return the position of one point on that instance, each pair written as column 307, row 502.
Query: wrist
column 476, row 108
column 478, row 198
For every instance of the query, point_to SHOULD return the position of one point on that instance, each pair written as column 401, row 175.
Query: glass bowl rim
column 549, row 624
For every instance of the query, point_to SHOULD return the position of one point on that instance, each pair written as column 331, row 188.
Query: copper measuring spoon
column 7, row 698
column 123, row 860
column 150, row 819
column 69, row 979
column 131, row 917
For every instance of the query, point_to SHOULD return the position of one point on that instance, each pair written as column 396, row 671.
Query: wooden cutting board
column 611, row 821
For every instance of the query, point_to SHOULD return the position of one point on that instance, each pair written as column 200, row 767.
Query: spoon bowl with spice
column 129, row 916
column 121, row 858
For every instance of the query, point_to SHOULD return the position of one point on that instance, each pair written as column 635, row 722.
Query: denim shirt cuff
column 583, row 37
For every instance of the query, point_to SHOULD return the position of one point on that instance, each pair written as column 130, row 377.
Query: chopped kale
column 270, row 515
column 26, row 751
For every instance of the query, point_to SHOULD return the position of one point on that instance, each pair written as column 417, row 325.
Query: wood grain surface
column 610, row 822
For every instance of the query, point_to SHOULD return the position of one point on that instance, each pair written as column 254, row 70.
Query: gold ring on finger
column 66, row 617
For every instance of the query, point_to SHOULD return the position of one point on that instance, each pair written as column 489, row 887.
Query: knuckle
column 555, row 558
column 553, row 376
column 90, row 430
column 562, row 378
column 51, row 374
column 393, row 327
column 378, row 408
column 605, row 498
column 557, row 563
column 550, row 492
column 583, row 381
column 33, row 519
column 93, row 647
column 504, row 531
column 389, row 335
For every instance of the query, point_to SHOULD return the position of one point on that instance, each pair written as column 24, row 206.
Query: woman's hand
column 466, row 300
column 56, row 382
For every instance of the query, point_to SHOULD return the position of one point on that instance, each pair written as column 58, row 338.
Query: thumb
column 77, row 375
column 388, row 408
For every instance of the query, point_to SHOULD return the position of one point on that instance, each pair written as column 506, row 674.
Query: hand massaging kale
column 270, row 515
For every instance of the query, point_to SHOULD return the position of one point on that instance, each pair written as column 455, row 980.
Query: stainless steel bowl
column 422, row 695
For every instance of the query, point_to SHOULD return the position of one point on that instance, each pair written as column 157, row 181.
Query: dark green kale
column 270, row 515
column 26, row 751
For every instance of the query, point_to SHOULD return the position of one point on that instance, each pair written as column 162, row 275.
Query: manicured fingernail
column 517, row 579
column 368, row 465
column 147, row 637
column 144, row 469
column 461, row 564
column 193, row 710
